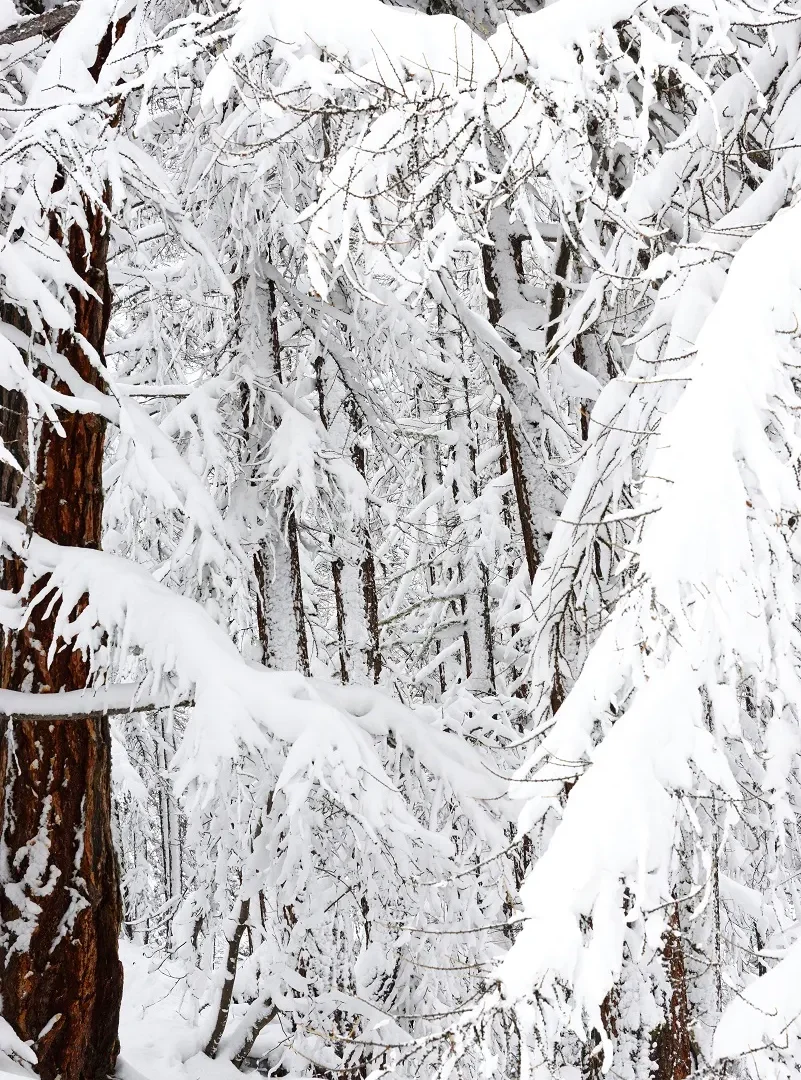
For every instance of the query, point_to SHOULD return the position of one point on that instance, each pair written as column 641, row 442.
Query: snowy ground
column 157, row 1041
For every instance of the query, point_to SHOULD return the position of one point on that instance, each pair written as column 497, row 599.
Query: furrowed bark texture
column 60, row 906
column 672, row 1050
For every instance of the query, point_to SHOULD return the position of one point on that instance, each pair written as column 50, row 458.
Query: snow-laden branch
column 389, row 45
column 48, row 24
column 237, row 706
column 713, row 603
column 91, row 704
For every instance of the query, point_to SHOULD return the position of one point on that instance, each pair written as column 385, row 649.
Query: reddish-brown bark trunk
column 672, row 1050
column 60, row 906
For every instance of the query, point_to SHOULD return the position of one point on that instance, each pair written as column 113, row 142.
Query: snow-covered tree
column 425, row 372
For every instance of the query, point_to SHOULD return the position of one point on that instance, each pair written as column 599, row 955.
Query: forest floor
column 157, row 1041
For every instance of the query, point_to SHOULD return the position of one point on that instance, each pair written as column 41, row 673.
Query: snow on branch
column 48, row 25
column 238, row 707
column 387, row 45
column 93, row 703
column 713, row 602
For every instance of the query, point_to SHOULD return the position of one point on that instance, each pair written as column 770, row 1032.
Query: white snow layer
column 704, row 558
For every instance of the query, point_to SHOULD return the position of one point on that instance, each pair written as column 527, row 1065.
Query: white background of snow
column 698, row 559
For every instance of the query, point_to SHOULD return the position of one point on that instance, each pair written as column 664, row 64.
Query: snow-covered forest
column 400, row 469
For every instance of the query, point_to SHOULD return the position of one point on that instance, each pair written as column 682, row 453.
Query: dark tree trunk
column 337, row 564
column 60, row 906
column 373, row 658
column 474, row 601
column 672, row 1049
column 290, row 525
column 46, row 24
column 503, row 258
column 227, row 992
column 485, row 618
column 277, row 568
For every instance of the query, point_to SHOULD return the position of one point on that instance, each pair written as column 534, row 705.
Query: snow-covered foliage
column 447, row 612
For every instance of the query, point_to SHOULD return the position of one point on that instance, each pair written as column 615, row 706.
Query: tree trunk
column 479, row 618
column 168, row 819
column 373, row 658
column 337, row 563
column 502, row 273
column 60, row 906
column 429, row 481
column 60, row 903
column 478, row 641
column 279, row 582
column 671, row 1049
column 227, row 991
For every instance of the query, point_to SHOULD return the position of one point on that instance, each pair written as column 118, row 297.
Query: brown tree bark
column 672, row 1050
column 60, row 906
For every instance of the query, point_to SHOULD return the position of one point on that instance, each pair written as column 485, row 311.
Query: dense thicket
column 428, row 374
